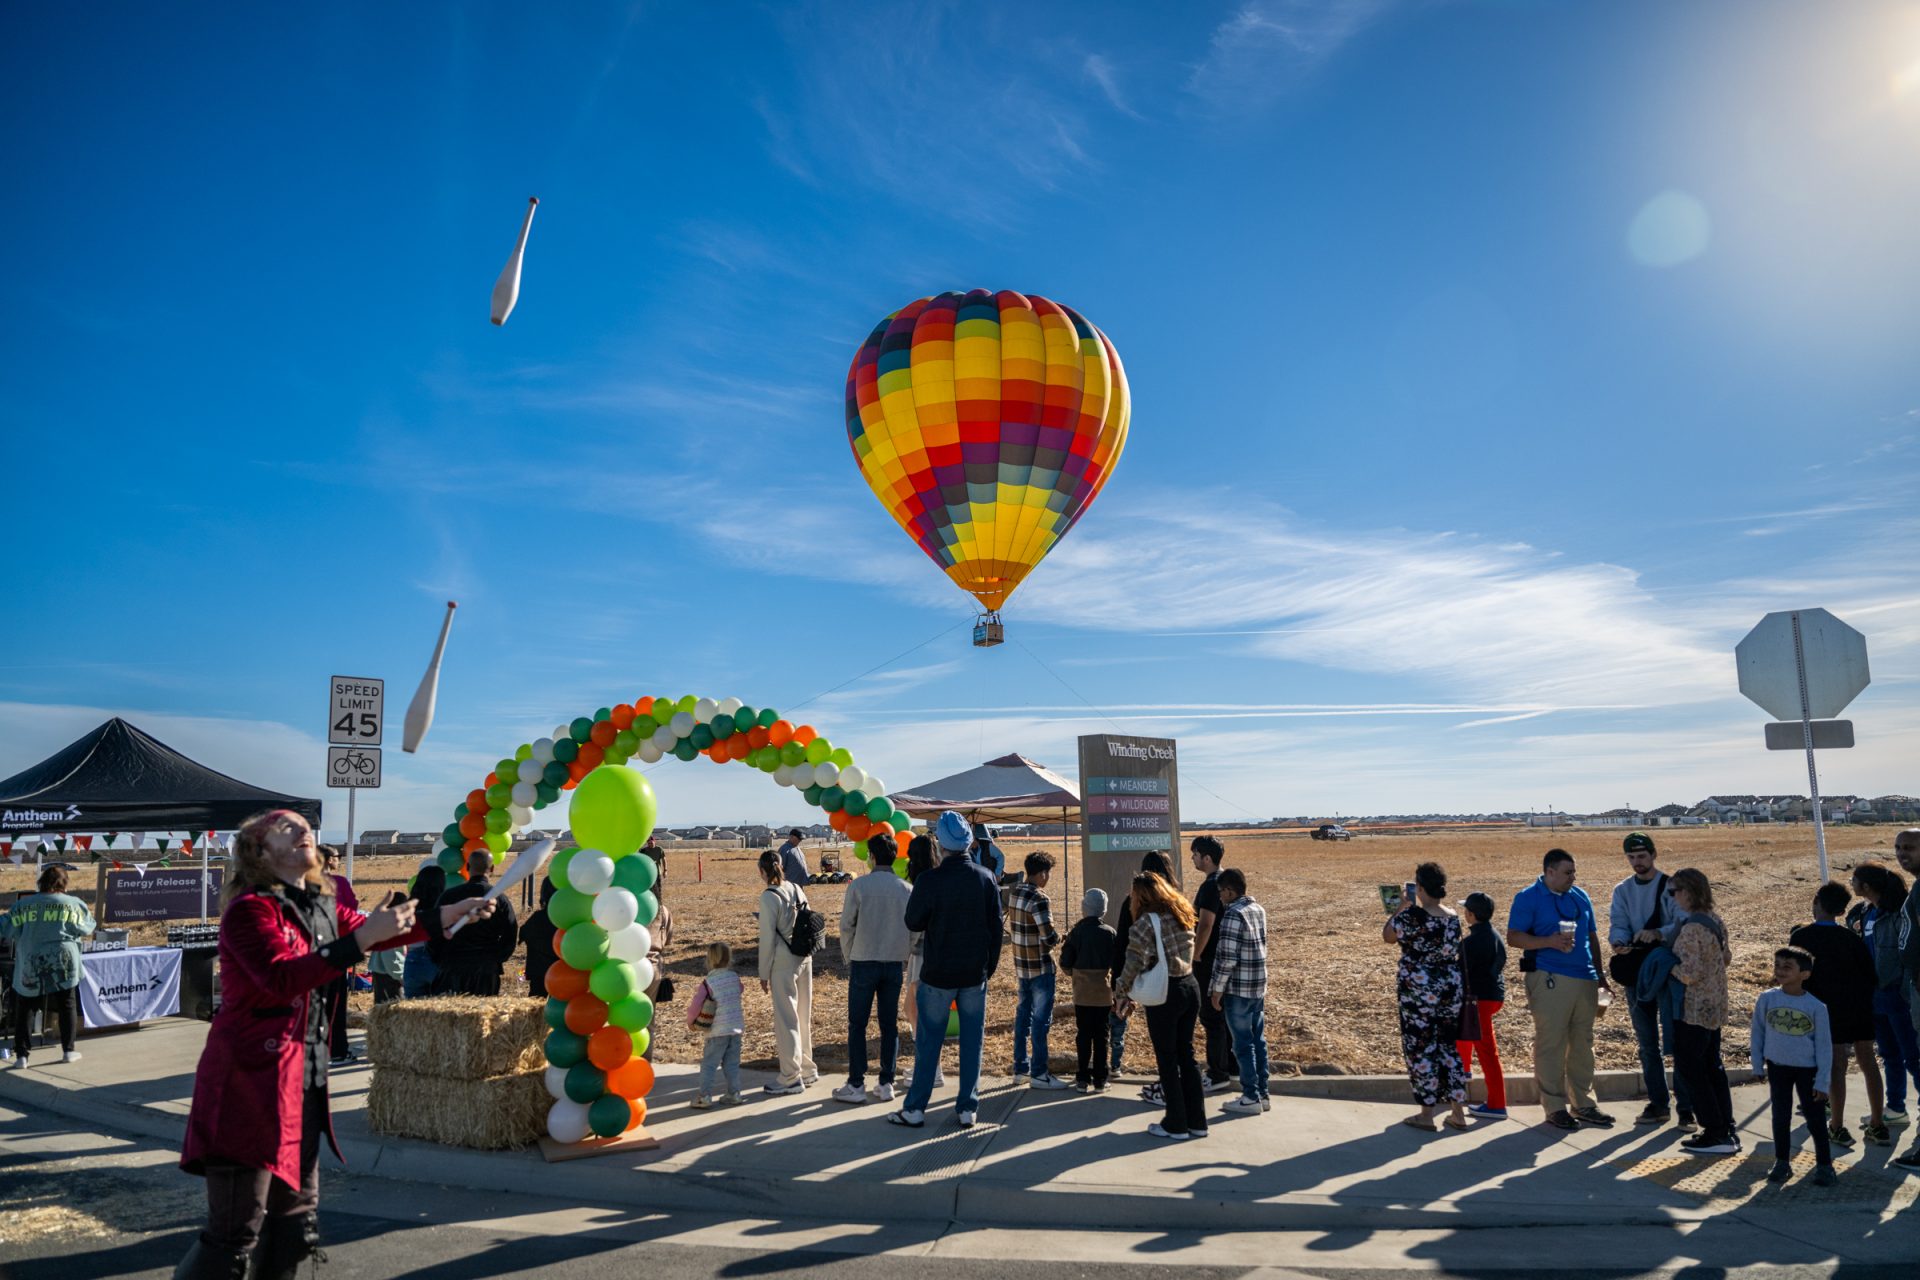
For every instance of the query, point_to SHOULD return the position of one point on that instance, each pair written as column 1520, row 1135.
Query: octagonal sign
column 1836, row 659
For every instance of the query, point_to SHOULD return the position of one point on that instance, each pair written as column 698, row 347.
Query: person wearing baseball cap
column 1640, row 916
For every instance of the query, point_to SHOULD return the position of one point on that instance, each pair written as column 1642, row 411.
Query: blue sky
column 1495, row 367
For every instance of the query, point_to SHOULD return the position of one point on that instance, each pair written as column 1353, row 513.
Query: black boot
column 286, row 1242
column 204, row 1262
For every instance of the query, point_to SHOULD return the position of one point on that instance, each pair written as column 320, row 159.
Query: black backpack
column 809, row 929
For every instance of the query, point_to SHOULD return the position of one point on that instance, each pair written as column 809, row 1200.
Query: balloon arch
column 598, row 1011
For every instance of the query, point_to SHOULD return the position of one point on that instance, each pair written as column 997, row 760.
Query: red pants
column 1489, row 1056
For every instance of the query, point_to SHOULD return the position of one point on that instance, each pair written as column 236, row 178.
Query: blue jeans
column 418, row 972
column 1899, row 1047
column 869, row 981
column 1116, row 1041
column 930, row 1033
column 1247, row 1021
column 1653, row 1064
column 1032, row 1019
column 721, row 1054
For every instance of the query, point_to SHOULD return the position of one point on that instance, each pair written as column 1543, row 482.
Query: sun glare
column 1906, row 81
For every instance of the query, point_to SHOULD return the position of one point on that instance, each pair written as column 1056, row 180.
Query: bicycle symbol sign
column 353, row 766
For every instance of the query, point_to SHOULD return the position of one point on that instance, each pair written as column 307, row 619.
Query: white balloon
column 783, row 774
column 682, row 724
column 567, row 1121
column 650, row 751
column 520, row 814
column 642, row 971
column 524, row 794
column 614, row 909
column 704, row 710
column 826, row 774
column 590, row 871
column 561, row 731
column 631, row 943
column 556, row 1080
column 853, row 778
column 874, row 787
column 663, row 739
column 543, row 750
column 730, row 705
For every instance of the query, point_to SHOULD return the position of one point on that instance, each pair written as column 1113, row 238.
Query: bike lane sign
column 353, row 766
column 356, row 711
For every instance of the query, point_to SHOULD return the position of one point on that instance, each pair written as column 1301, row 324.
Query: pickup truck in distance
column 1330, row 831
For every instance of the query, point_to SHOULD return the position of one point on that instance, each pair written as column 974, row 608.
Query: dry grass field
column 1331, row 1002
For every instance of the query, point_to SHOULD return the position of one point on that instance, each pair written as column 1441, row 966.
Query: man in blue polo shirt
column 1551, row 925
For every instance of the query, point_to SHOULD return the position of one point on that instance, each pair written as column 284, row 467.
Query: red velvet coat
column 247, row 1093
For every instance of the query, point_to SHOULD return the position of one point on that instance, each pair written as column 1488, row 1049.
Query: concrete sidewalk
column 1047, row 1159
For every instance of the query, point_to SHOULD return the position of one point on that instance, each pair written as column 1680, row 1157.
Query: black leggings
column 1696, row 1056
column 65, row 1004
column 1090, row 1043
column 1783, row 1083
column 1170, row 1027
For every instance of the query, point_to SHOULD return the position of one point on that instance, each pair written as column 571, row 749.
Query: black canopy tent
column 118, row 778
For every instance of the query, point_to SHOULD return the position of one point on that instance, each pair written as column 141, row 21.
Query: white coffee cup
column 1569, row 926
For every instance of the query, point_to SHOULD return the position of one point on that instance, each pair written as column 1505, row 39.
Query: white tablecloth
column 118, row 987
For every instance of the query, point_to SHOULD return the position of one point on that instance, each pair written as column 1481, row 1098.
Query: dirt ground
column 1331, row 999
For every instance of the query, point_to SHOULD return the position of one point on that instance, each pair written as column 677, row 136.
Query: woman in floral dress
column 1428, row 932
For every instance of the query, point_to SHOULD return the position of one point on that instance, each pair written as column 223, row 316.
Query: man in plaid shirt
column 1239, row 988
column 1030, row 929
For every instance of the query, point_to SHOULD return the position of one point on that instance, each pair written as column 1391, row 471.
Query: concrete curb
column 1522, row 1089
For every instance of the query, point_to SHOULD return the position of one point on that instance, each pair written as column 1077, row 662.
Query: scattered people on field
column 46, row 928
column 1551, row 924
column 1702, row 954
column 418, row 971
column 1238, row 988
column 1087, row 957
column 659, row 855
column 1640, row 919
column 1029, row 917
column 956, row 907
column 257, row 1119
column 987, row 853
column 1876, row 917
column 1483, row 956
column 335, row 994
column 1843, row 980
column 1906, row 850
column 470, row 962
column 1793, row 1047
column 1218, row 1060
column 1428, row 934
column 714, row 1010
column 537, row 932
column 1162, row 938
column 1159, row 864
column 786, row 975
column 793, row 860
column 874, row 943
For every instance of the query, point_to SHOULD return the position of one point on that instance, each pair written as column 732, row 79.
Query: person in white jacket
column 786, row 977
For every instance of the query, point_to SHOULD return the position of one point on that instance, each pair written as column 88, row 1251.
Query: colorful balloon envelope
column 986, row 424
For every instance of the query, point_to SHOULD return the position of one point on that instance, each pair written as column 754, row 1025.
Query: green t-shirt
column 48, row 927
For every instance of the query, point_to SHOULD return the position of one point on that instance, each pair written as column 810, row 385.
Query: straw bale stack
column 462, row 1070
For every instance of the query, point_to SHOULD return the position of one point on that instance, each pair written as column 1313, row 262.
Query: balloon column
column 597, row 1007
column 649, row 729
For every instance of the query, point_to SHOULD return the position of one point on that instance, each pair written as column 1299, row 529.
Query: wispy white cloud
column 1267, row 45
column 1100, row 70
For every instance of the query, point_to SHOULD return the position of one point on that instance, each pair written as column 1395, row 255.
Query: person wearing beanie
column 955, row 906
column 1641, row 917
column 1087, row 958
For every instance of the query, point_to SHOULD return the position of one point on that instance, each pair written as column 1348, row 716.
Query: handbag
column 1624, row 966
column 1150, row 984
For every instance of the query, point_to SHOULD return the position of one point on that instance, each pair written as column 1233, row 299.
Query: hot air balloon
column 986, row 423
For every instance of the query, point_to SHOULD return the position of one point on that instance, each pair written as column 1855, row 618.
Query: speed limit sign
column 356, row 711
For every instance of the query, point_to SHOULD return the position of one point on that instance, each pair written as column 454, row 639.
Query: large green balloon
column 608, row 1115
column 564, row 1048
column 613, row 811
column 613, row 980
column 585, row 1082
column 649, row 905
column 635, row 1013
column 635, row 875
column 556, row 1014
column 569, row 908
column 818, row 750
column 583, row 945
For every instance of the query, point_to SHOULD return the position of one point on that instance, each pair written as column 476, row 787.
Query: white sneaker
column 849, row 1093
column 72, row 1055
column 881, row 1093
column 19, row 1062
column 1243, row 1106
column 1046, row 1081
column 1155, row 1131
column 965, row 1118
column 6, row 1055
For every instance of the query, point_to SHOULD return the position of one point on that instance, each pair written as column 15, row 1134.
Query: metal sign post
column 1806, row 737
column 356, row 718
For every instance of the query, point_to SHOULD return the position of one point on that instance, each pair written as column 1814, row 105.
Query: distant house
column 1547, row 820
column 1615, row 818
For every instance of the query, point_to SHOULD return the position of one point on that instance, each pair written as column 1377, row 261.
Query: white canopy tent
column 1010, row 789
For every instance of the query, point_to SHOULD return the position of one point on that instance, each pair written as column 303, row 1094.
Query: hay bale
column 458, row 1037
column 494, row 1114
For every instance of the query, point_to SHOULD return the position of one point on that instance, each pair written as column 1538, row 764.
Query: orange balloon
column 632, row 1078
column 837, row 819
column 603, row 733
column 473, row 826
column 558, row 935
column 779, row 733
column 643, row 706
column 716, row 753
column 586, row 1015
column 639, row 1109
column 738, row 748
column 570, row 784
column 623, row 716
column 564, row 982
column 859, row 827
column 805, row 733
column 592, row 754
column 477, row 801
column 492, row 778
column 757, row 736
column 474, row 844
column 579, row 768
column 608, row 1047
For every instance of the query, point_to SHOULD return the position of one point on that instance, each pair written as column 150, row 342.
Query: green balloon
column 900, row 821
column 548, row 792
column 812, row 794
column 615, row 756
column 584, row 945
column 581, row 729
column 723, row 725
column 604, row 713
column 687, row 703
column 767, row 717
column 832, row 798
column 818, row 750
column 569, row 908
column 523, row 752
column 608, row 1115
column 770, row 763
column 649, row 905
column 556, row 1014
column 498, row 820
column 791, row 753
column 626, row 741
column 663, row 709
column 566, row 751
column 498, row 841
column 900, row 867
column 841, row 757
column 953, row 1023
column 613, row 980
column 635, row 875
column 553, row 773
column 701, row 737
column 685, row 750
column 641, row 1040
column 613, row 810
column 453, row 835
column 460, row 811
column 557, row 869
column 507, row 771
column 585, row 1082
column 564, row 1048
column 635, row 1013
column 499, row 795
column 855, row 802
column 745, row 718
column 450, row 860
column 880, row 809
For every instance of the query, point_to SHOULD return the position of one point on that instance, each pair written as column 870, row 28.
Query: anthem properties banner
column 1129, row 806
